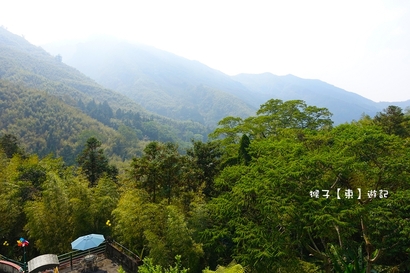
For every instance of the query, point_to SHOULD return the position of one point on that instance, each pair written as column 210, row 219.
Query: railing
column 123, row 256
column 111, row 250
column 124, row 250
column 11, row 260
column 74, row 258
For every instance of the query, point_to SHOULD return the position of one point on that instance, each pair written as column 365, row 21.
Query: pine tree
column 243, row 155
column 94, row 163
column 9, row 144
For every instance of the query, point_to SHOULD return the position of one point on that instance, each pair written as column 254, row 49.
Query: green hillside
column 47, row 125
column 31, row 72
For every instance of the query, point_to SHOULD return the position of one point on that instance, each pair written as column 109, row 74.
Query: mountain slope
column 162, row 82
column 25, row 66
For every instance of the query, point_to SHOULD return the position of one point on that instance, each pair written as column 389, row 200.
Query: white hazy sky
column 362, row 46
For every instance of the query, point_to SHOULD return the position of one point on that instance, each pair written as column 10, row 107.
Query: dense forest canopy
column 45, row 124
column 281, row 191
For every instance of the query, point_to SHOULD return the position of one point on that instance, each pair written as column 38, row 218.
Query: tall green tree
column 158, row 171
column 276, row 114
column 243, row 154
column 273, row 118
column 105, row 198
column 94, row 163
column 206, row 164
column 393, row 121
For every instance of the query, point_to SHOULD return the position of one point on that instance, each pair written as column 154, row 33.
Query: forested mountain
column 32, row 73
column 162, row 82
column 45, row 124
column 174, row 86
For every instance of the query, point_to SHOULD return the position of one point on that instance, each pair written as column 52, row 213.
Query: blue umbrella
column 87, row 241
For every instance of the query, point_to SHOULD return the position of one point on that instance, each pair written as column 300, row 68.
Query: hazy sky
column 361, row 46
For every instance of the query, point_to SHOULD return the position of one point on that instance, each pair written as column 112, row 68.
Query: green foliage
column 274, row 119
column 67, row 208
column 62, row 212
column 11, row 199
column 276, row 114
column 149, row 267
column 127, row 216
column 228, row 127
column 157, row 229
column 105, row 198
column 121, row 269
column 42, row 199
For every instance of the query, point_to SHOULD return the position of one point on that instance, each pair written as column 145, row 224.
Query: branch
column 313, row 242
column 338, row 235
column 337, row 179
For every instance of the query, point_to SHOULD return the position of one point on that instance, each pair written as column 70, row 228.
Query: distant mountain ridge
column 345, row 106
column 171, row 85
column 401, row 104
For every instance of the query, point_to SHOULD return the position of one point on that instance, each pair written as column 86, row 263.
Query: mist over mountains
column 162, row 82
column 173, row 86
